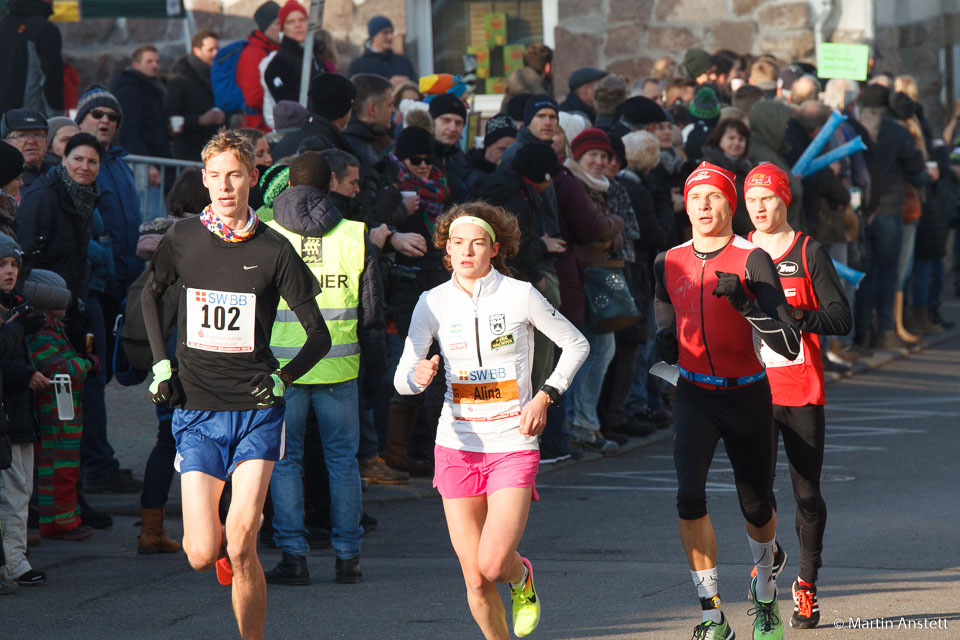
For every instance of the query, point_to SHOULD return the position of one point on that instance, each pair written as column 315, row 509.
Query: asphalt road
column 603, row 541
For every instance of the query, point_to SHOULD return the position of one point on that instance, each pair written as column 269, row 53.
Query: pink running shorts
column 464, row 474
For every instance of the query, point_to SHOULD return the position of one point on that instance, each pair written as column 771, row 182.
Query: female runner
column 486, row 451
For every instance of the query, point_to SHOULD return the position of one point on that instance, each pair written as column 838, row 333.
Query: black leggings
column 803, row 430
column 742, row 417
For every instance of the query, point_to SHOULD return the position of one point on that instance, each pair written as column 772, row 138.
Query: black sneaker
column 779, row 562
column 549, row 456
column 806, row 607
column 615, row 436
column 32, row 578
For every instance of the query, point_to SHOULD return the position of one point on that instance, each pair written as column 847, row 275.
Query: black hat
column 788, row 76
column 266, row 14
column 21, row 120
column 902, row 105
column 640, row 111
column 516, row 104
column 414, row 141
column 537, row 103
column 875, row 95
column 447, row 103
column 619, row 150
column 536, row 161
column 583, row 75
column 331, row 95
column 11, row 163
column 498, row 127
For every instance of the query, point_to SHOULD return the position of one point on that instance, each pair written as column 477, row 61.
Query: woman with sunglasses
column 486, row 446
column 418, row 268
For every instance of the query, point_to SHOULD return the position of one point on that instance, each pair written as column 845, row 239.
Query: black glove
column 268, row 389
column 729, row 285
column 29, row 318
column 667, row 346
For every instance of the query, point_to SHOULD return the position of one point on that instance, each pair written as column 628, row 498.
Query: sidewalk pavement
column 132, row 431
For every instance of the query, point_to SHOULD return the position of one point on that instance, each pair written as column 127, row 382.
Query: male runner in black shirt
column 228, row 391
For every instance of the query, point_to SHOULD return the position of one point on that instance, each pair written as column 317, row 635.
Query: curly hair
column 504, row 225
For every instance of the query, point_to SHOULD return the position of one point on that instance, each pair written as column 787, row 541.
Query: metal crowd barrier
column 140, row 165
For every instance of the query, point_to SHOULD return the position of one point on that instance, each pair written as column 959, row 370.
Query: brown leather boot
column 153, row 539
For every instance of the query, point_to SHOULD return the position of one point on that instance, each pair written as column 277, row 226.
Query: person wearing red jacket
column 820, row 307
column 260, row 43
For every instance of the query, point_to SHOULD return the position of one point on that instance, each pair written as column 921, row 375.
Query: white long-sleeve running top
column 487, row 345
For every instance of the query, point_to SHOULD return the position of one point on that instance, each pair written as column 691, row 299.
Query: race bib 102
column 221, row 321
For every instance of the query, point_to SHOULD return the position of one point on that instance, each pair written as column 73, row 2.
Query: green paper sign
column 848, row 61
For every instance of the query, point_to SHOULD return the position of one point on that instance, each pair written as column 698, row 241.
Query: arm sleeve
column 370, row 325
column 248, row 78
column 662, row 305
column 574, row 348
column 34, row 222
column 423, row 329
column 317, row 343
column 833, row 317
column 770, row 315
column 16, row 374
column 162, row 275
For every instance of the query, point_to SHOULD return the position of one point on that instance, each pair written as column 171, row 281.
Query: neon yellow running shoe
column 526, row 605
column 710, row 630
column 768, row 625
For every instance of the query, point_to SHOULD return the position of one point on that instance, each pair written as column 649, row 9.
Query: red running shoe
column 224, row 571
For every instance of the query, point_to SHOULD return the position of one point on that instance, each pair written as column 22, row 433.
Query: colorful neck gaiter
column 215, row 226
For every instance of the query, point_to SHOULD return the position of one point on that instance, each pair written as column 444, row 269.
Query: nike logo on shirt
column 246, row 268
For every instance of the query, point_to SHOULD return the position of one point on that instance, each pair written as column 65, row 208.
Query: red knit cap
column 590, row 139
column 772, row 177
column 289, row 7
column 715, row 176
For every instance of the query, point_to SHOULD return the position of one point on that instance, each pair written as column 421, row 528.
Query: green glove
column 267, row 388
column 160, row 388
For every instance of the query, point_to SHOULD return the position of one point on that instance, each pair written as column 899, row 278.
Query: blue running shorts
column 215, row 442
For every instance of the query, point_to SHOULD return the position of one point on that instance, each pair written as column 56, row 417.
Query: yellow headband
column 483, row 224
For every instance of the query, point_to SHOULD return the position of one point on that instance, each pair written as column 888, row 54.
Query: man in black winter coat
column 190, row 96
column 331, row 99
column 378, row 57
column 369, row 132
column 449, row 116
column 138, row 89
column 31, row 73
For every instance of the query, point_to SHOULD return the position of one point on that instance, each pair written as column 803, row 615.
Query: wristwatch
column 552, row 393
column 285, row 377
column 797, row 314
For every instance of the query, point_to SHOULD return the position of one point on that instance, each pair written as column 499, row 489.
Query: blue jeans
column 584, row 392
column 927, row 281
column 335, row 406
column 884, row 237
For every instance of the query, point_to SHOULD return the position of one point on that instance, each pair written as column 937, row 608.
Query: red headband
column 715, row 176
column 771, row 177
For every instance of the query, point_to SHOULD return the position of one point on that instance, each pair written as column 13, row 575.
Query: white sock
column 763, row 553
column 517, row 586
column 707, row 583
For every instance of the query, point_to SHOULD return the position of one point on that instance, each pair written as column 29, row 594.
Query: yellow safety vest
column 336, row 260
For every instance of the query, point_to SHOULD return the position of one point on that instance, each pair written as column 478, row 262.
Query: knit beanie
column 9, row 247
column 11, row 164
column 46, row 290
column 573, row 124
column 378, row 24
column 289, row 7
column 705, row 105
column 55, row 124
column 95, row 96
column 288, row 114
column 715, row 176
column 537, row 103
column 447, row 103
column 516, row 104
column 436, row 84
column 772, row 177
column 414, row 141
column 536, row 162
column 592, row 138
column 331, row 95
column 498, row 127
column 273, row 181
column 697, row 62
column 266, row 14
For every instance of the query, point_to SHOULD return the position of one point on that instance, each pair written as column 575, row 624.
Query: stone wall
column 99, row 48
column 626, row 36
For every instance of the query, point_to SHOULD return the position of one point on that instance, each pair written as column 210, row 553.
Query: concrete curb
column 422, row 488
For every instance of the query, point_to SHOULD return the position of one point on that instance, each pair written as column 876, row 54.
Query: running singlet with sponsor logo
column 487, row 345
column 228, row 303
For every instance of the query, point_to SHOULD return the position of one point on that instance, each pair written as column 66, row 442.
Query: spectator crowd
column 594, row 181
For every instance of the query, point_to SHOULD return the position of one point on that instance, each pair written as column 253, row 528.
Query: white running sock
column 707, row 583
column 763, row 554
column 517, row 586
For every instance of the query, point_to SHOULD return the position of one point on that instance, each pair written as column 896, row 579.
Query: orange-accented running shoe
column 806, row 607
column 224, row 571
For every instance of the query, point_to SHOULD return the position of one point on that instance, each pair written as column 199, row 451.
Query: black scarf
column 84, row 197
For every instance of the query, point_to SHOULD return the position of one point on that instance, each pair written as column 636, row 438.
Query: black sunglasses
column 112, row 116
column 419, row 160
